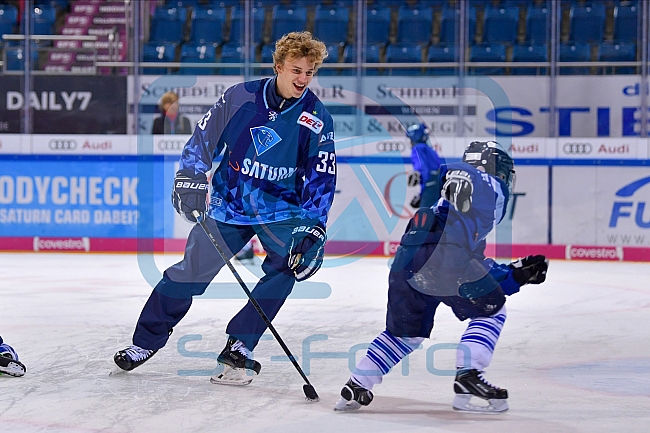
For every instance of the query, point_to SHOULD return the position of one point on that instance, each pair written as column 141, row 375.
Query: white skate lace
column 480, row 376
column 241, row 348
column 137, row 353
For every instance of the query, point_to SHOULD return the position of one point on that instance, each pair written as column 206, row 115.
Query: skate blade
column 462, row 403
column 13, row 368
column 344, row 405
column 232, row 376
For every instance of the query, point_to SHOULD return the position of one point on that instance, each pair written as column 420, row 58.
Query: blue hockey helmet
column 418, row 133
column 491, row 157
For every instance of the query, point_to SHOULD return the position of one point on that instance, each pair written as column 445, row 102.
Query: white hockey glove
column 307, row 250
column 458, row 189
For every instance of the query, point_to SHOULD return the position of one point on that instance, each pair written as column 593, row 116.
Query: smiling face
column 294, row 75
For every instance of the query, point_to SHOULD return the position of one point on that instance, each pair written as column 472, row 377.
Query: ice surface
column 574, row 353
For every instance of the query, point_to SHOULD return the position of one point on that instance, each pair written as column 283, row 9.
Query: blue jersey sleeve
column 320, row 171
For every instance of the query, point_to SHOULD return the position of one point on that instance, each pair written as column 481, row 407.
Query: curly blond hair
column 298, row 45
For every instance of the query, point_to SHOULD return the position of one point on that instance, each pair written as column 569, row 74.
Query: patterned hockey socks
column 480, row 338
column 383, row 354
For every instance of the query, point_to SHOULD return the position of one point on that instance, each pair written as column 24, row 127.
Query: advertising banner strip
column 334, row 249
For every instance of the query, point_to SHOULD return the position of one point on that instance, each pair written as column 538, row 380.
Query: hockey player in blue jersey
column 276, row 180
column 426, row 166
column 441, row 260
column 9, row 363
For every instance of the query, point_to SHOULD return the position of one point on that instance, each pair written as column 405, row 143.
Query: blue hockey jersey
column 275, row 165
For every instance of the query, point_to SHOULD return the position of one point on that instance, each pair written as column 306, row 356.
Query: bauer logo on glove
column 306, row 250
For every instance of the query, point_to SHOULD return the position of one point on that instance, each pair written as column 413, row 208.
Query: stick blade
column 310, row 393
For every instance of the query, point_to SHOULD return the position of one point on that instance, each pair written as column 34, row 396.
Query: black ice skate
column 239, row 365
column 245, row 255
column 353, row 396
column 132, row 357
column 470, row 383
column 10, row 366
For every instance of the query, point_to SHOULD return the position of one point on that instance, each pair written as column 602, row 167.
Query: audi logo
column 62, row 144
column 390, row 146
column 171, row 144
column 577, row 148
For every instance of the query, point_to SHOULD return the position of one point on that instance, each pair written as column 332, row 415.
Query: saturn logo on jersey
column 264, row 138
column 310, row 121
column 259, row 170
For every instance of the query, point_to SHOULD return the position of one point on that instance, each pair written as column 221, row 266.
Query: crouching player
column 9, row 363
column 441, row 260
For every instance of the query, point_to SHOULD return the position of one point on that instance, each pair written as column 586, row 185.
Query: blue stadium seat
column 198, row 53
column 158, row 52
column 587, row 22
column 448, row 25
column 500, row 24
column 16, row 59
column 232, row 52
column 404, row 53
column 414, row 25
column 377, row 25
column 8, row 19
column 182, row 3
column 267, row 57
column 371, row 54
column 331, row 24
column 333, row 57
column 580, row 52
column 626, row 22
column 442, row 54
column 57, row 4
column 237, row 24
column 167, row 25
column 617, row 52
column 207, row 25
column 538, row 25
column 529, row 53
column 44, row 17
column 288, row 19
column 487, row 53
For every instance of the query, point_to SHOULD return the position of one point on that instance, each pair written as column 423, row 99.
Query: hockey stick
column 308, row 388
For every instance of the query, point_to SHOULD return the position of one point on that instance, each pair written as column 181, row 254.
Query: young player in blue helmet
column 441, row 260
column 426, row 164
column 9, row 363
column 276, row 180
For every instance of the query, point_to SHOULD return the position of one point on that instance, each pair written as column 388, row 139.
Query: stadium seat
column 377, row 25
column 331, row 24
column 266, row 57
column 197, row 53
column 529, row 53
column 414, row 25
column 371, row 54
column 333, row 57
column 207, row 25
column 56, row 4
column 442, row 54
column 575, row 53
column 500, row 24
column 44, row 17
column 537, row 25
column 617, row 52
column 167, row 25
column 8, row 19
column 487, row 53
column 288, row 19
column 448, row 25
column 626, row 22
column 587, row 22
column 237, row 25
column 158, row 52
column 16, row 59
column 404, row 53
column 232, row 53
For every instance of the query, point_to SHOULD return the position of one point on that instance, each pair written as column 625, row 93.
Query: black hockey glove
column 415, row 201
column 414, row 178
column 189, row 194
column 307, row 250
column 458, row 189
column 530, row 270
